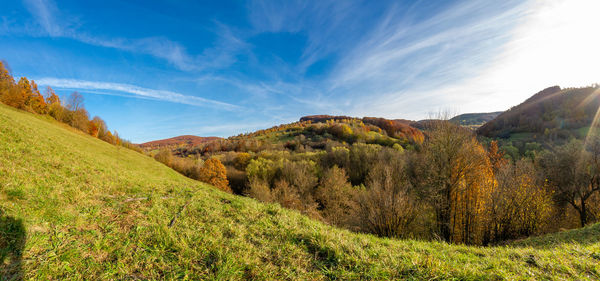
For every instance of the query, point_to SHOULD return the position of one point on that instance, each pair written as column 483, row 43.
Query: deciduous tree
column 213, row 172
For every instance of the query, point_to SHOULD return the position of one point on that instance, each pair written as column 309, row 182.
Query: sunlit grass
column 95, row 211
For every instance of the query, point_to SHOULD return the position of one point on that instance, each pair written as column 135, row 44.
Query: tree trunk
column 583, row 213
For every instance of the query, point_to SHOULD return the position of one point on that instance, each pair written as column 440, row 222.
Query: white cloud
column 56, row 24
column 540, row 44
column 135, row 91
column 44, row 13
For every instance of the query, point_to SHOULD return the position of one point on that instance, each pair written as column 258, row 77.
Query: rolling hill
column 553, row 114
column 74, row 207
column 475, row 120
column 184, row 140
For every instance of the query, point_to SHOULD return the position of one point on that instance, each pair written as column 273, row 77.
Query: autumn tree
column 16, row 96
column 456, row 178
column 5, row 74
column 520, row 205
column 259, row 190
column 97, row 127
column 573, row 171
column 337, row 197
column 214, row 173
column 496, row 156
column 109, row 138
column 77, row 116
column 388, row 206
column 6, row 82
column 51, row 97
column 35, row 101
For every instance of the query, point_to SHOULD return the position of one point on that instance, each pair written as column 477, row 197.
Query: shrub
column 259, row 190
column 388, row 206
column 338, row 198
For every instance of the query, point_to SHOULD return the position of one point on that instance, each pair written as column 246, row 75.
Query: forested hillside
column 474, row 120
column 553, row 114
column 179, row 141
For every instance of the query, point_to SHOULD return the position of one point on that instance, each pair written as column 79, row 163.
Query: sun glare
column 556, row 44
column 559, row 43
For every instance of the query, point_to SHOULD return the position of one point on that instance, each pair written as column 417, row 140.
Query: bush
column 164, row 156
column 260, row 191
column 388, row 206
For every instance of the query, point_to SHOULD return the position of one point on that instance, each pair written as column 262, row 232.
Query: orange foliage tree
column 214, row 173
column 496, row 156
column 36, row 101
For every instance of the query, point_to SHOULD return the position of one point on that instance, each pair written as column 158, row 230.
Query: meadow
column 74, row 207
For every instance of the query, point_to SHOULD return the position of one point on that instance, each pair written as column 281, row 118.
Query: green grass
column 67, row 214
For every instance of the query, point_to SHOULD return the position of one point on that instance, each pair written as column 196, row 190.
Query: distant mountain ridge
column 475, row 120
column 178, row 141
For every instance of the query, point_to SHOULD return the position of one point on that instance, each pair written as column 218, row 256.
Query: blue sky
column 157, row 69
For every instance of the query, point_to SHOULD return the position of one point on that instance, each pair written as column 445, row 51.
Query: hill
column 177, row 141
column 74, row 207
column 474, row 120
column 553, row 114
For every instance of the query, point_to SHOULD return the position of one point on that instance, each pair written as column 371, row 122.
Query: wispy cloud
column 328, row 25
column 44, row 12
column 55, row 24
column 135, row 91
column 399, row 68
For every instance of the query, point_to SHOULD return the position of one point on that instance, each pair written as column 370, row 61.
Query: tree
column 5, row 73
column 100, row 125
column 75, row 101
column 388, row 206
column 6, row 80
column 214, row 173
column 520, row 202
column 109, row 138
column 337, row 198
column 17, row 96
column 259, row 190
column 456, row 179
column 496, row 156
column 573, row 171
column 51, row 97
column 92, row 129
column 80, row 119
column 36, row 101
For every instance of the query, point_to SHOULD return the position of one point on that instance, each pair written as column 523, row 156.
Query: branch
column 179, row 213
column 143, row 198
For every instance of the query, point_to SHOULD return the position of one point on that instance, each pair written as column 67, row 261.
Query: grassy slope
column 69, row 192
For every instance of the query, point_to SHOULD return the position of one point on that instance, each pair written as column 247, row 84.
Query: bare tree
column 75, row 101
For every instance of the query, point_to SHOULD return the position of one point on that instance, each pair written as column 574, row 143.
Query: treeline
column 300, row 137
column 450, row 187
column 25, row 95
